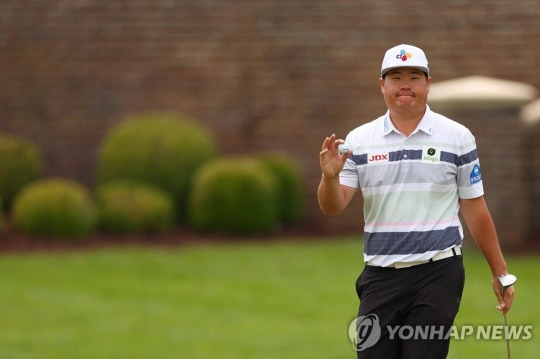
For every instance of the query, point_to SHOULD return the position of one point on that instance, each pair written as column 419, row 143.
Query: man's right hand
column 331, row 161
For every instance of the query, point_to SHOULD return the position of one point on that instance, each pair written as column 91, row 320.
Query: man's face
column 405, row 89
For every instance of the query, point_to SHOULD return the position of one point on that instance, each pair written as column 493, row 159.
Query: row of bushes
column 155, row 171
column 61, row 207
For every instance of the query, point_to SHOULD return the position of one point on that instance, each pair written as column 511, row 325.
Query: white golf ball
column 343, row 148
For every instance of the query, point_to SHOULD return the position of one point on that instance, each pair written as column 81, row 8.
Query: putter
column 506, row 281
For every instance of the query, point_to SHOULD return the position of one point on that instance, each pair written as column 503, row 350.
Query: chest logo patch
column 431, row 154
column 378, row 157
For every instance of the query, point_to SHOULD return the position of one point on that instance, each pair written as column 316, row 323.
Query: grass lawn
column 285, row 299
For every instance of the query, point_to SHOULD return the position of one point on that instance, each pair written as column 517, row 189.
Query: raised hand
column 330, row 160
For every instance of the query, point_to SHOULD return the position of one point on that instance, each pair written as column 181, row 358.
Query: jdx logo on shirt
column 378, row 157
column 431, row 155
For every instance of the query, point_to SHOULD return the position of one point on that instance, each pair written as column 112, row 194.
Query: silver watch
column 507, row 280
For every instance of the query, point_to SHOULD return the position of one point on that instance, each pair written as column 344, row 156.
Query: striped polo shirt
column 411, row 186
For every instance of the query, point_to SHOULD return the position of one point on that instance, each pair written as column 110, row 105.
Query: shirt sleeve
column 349, row 174
column 469, row 174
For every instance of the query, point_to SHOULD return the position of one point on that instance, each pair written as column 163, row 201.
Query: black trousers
column 412, row 306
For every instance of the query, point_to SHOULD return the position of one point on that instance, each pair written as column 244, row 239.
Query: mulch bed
column 12, row 240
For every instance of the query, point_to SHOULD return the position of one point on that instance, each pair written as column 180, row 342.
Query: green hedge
column 290, row 191
column 54, row 207
column 235, row 195
column 19, row 165
column 161, row 150
column 133, row 208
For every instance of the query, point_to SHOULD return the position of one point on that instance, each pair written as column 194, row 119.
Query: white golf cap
column 404, row 56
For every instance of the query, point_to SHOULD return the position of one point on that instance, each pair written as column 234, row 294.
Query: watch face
column 507, row 280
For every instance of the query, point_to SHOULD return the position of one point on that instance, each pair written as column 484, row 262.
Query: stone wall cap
column 530, row 114
column 481, row 91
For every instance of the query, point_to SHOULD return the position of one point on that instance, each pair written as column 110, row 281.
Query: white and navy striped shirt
column 412, row 186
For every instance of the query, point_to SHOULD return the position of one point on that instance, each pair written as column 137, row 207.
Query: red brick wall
column 531, row 151
column 264, row 75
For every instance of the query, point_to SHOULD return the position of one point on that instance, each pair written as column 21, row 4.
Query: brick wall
column 264, row 75
column 531, row 151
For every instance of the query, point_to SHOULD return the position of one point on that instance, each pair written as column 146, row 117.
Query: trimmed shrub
column 133, row 208
column 159, row 150
column 235, row 195
column 19, row 165
column 290, row 191
column 54, row 207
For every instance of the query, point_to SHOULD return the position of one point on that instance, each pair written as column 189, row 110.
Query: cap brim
column 421, row 68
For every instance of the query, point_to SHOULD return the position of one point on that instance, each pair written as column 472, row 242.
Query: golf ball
column 343, row 148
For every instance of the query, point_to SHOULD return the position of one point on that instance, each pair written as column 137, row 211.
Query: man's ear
column 381, row 84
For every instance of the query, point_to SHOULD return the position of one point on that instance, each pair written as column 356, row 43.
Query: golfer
column 416, row 170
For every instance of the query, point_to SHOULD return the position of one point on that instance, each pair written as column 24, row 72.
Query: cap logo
column 403, row 55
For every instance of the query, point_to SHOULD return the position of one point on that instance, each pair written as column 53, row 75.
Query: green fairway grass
column 280, row 299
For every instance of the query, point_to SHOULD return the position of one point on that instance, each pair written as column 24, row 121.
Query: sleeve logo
column 476, row 175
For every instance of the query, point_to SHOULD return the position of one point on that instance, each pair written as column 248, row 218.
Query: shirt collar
column 425, row 125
